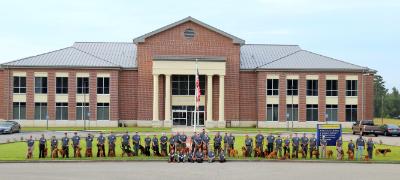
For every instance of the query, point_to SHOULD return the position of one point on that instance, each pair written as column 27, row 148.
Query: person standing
column 101, row 150
column 304, row 145
column 42, row 146
column 197, row 143
column 270, row 143
column 125, row 142
column 370, row 147
column 323, row 143
column 65, row 146
column 182, row 140
column 226, row 144
column 295, row 144
column 111, row 144
column 147, row 142
column 339, row 148
column 278, row 145
column 54, row 144
column 89, row 143
column 259, row 141
column 231, row 141
column 172, row 143
column 192, row 141
column 351, row 146
column 75, row 142
column 30, row 142
column 286, row 147
column 206, row 141
column 136, row 143
column 217, row 144
column 249, row 145
column 163, row 143
column 155, row 146
column 313, row 146
column 360, row 147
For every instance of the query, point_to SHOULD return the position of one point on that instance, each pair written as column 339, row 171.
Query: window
column 312, row 87
column 312, row 112
column 19, row 84
column 351, row 87
column 41, row 85
column 292, row 87
column 82, row 86
column 332, row 112
column 272, row 112
column 186, row 84
column 103, row 85
column 189, row 33
column 331, row 88
column 61, row 111
column 293, row 112
column 103, row 111
column 62, row 85
column 351, row 113
column 40, row 111
column 82, row 111
column 272, row 87
column 19, row 110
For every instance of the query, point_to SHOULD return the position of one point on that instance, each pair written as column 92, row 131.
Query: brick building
column 150, row 82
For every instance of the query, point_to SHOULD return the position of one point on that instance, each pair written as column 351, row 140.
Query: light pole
column 287, row 120
column 326, row 118
column 47, row 121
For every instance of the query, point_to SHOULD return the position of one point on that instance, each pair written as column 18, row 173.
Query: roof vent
column 189, row 33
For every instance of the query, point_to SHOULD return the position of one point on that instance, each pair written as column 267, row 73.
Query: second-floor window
column 272, row 87
column 292, row 87
column 82, row 85
column 41, row 85
column 331, row 88
column 19, row 84
column 103, row 85
column 62, row 85
column 312, row 87
column 351, row 87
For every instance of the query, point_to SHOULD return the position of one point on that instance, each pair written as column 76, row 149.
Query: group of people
column 179, row 148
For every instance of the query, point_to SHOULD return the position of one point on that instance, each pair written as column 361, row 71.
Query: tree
column 380, row 93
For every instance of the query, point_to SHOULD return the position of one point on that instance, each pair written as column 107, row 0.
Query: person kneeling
column 172, row 156
column 199, row 156
column 181, row 156
column 222, row 157
column 211, row 156
column 190, row 157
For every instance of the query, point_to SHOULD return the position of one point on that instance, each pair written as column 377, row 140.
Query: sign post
column 332, row 133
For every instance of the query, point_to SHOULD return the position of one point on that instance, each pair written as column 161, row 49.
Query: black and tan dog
column 258, row 152
column 382, row 151
column 88, row 152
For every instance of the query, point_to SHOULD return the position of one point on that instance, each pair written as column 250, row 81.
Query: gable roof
column 66, row 57
column 306, row 60
column 143, row 37
column 120, row 53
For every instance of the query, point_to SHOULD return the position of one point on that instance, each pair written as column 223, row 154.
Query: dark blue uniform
column 100, row 146
column 217, row 144
column 42, row 146
column 163, row 142
column 136, row 144
column 295, row 144
column 65, row 146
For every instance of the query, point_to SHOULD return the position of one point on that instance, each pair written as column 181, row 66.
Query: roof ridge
column 335, row 59
column 96, row 56
column 36, row 55
column 279, row 58
column 272, row 44
column 102, row 42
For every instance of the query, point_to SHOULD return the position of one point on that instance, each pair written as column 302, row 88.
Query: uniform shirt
column 313, row 142
column 65, row 141
column 278, row 142
column 370, row 145
column 147, row 141
column 202, row 135
column 339, row 143
column 248, row 142
column 75, row 140
column 101, row 139
column 231, row 140
column 136, row 139
column 304, row 140
column 270, row 139
column 360, row 142
column 182, row 138
column 296, row 141
column 125, row 139
column 226, row 139
column 351, row 146
column 111, row 139
column 197, row 140
column 42, row 141
column 155, row 141
column 217, row 140
column 287, row 142
column 206, row 139
column 259, row 139
column 30, row 142
column 54, row 142
column 172, row 140
column 324, row 142
column 89, row 141
column 163, row 140
column 176, row 138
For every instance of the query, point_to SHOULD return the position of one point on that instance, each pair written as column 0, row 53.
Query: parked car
column 9, row 127
column 390, row 130
column 365, row 127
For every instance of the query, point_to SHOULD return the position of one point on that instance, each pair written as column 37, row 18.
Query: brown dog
column 88, row 152
column 45, row 152
column 257, row 152
column 366, row 158
column 78, row 152
column 350, row 155
column 244, row 151
column 272, row 155
column 29, row 154
column 54, row 153
column 382, row 151
column 315, row 153
column 329, row 153
column 233, row 153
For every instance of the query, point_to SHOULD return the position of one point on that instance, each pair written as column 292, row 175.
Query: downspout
column 8, row 93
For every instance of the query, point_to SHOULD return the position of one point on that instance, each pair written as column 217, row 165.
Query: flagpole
column 195, row 101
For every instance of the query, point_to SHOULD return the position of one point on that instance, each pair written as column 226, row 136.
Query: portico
column 179, row 102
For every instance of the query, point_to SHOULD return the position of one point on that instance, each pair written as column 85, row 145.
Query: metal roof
column 67, row 57
column 306, row 60
column 120, row 53
column 255, row 55
column 143, row 37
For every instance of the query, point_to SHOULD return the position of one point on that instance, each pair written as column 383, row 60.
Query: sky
column 363, row 32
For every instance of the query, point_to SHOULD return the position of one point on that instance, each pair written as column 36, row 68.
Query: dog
column 126, row 151
column 366, row 158
column 141, row 149
column 244, row 151
column 350, row 155
column 233, row 153
column 29, row 154
column 54, row 153
column 111, row 153
column 62, row 153
column 329, row 153
column 382, row 151
column 88, row 152
column 315, row 153
column 286, row 156
column 78, row 152
column 265, row 153
column 302, row 153
column 101, row 152
column 257, row 152
column 272, row 155
column 45, row 152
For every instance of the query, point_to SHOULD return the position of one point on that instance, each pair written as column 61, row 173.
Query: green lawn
column 17, row 151
column 106, row 129
column 268, row 130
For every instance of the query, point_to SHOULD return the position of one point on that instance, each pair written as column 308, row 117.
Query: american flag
column 198, row 92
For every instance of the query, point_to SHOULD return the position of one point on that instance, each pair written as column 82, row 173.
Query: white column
column 209, row 98
column 221, row 121
column 167, row 121
column 155, row 97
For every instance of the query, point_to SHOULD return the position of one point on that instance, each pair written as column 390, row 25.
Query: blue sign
column 332, row 133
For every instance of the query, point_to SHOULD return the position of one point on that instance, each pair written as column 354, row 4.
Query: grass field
column 106, row 129
column 17, row 151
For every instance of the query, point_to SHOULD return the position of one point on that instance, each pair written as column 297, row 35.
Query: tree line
column 386, row 104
